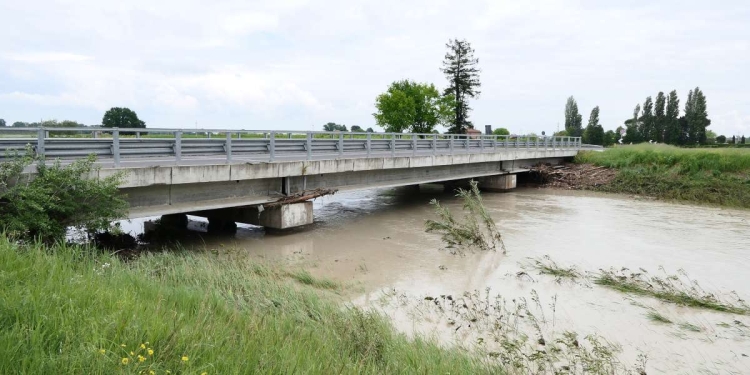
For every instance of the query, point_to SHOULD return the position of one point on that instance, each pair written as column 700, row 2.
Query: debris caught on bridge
column 301, row 197
column 573, row 176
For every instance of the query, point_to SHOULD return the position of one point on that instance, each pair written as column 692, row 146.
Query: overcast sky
column 296, row 64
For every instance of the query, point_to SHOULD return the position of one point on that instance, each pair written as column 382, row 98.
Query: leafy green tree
column 594, row 133
column 334, row 127
column 660, row 118
column 710, row 137
column 460, row 68
column 412, row 106
column 56, row 198
column 501, row 131
column 632, row 133
column 647, row 120
column 117, row 117
column 696, row 114
column 721, row 139
column 21, row 124
column 561, row 133
column 357, row 128
column 2, row 123
column 369, row 130
column 610, row 138
column 672, row 121
column 742, row 140
column 573, row 120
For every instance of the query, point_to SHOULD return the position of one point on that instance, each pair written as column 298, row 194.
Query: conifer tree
column 460, row 68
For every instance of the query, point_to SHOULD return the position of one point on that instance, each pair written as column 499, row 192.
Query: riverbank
column 709, row 176
column 71, row 310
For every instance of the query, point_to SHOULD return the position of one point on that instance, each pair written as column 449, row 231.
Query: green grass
column 712, row 176
column 546, row 266
column 655, row 316
column 59, row 307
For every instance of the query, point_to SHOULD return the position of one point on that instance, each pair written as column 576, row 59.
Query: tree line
column 660, row 121
column 115, row 117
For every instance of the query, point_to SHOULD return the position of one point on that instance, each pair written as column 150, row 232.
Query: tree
column 610, row 138
column 594, row 133
column 671, row 120
column 334, row 127
column 412, row 106
column 632, row 133
column 742, row 140
column 734, row 140
column 460, row 68
column 710, row 137
column 721, row 139
column 21, row 124
column 369, row 130
column 573, row 120
column 117, row 117
column 696, row 114
column 647, row 120
column 357, row 128
column 501, row 131
column 2, row 123
column 660, row 118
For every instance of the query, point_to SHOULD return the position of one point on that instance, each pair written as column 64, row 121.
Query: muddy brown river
column 374, row 241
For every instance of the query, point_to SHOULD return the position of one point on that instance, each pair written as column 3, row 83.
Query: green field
column 68, row 310
column 700, row 175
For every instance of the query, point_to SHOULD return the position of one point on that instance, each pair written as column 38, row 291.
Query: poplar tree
column 672, row 123
column 647, row 120
column 697, row 116
column 594, row 133
column 573, row 120
column 460, row 68
column 632, row 133
column 659, row 117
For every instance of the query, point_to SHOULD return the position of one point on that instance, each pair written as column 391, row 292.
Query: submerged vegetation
column 476, row 229
column 713, row 176
column 547, row 266
column 69, row 309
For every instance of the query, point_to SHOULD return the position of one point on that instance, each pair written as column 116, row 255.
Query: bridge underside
column 228, row 192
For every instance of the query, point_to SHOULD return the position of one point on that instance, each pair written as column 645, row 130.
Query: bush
column 44, row 205
column 501, row 131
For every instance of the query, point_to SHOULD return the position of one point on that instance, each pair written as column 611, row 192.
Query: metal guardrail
column 118, row 144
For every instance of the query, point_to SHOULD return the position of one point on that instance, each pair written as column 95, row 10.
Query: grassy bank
column 712, row 176
column 68, row 310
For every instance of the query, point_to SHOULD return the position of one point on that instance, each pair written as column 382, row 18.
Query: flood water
column 374, row 241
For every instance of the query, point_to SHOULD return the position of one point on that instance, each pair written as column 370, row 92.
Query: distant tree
column 460, row 68
column 561, row 133
column 117, row 117
column 334, row 127
column 573, row 120
column 594, row 133
column 684, row 130
column 20, row 124
column 610, row 138
column 734, row 140
column 632, row 133
column 696, row 114
column 412, row 106
column 721, row 139
column 2, row 123
column 647, row 120
column 357, row 128
column 369, row 130
column 501, row 131
column 671, row 120
column 710, row 137
column 660, row 118
column 742, row 140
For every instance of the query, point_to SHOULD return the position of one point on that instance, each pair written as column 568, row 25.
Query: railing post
column 228, row 147
column 434, row 144
column 272, row 146
column 481, row 143
column 414, row 144
column 178, row 145
column 40, row 142
column 393, row 144
column 137, row 135
column 341, row 144
column 536, row 142
column 369, row 144
column 494, row 143
column 451, row 135
column 506, row 139
column 116, row 147
column 309, row 146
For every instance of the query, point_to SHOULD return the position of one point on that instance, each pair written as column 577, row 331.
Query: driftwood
column 301, row 197
column 574, row 176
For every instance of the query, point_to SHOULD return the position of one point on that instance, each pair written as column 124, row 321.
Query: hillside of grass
column 68, row 310
column 711, row 176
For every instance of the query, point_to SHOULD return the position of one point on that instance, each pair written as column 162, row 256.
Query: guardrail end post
column 272, row 146
column 228, row 147
column 116, row 147
column 40, row 142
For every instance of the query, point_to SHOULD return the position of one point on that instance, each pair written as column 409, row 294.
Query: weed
column 655, row 316
column 690, row 327
column 546, row 266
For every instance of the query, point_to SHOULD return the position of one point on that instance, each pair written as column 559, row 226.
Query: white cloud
column 46, row 57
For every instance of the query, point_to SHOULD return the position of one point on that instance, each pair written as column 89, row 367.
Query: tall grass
column 68, row 310
column 714, row 176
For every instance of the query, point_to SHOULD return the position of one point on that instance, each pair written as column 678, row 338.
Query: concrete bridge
column 232, row 176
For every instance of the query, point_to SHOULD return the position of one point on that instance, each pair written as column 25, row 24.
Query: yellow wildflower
column 185, row 358
column 143, row 346
column 141, row 358
column 204, row 373
column 125, row 361
column 102, row 351
column 151, row 372
column 168, row 372
column 122, row 345
column 150, row 351
column 131, row 353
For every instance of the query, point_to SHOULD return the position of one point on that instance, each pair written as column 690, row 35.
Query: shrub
column 44, row 205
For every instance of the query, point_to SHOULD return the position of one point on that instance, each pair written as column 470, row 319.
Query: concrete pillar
column 503, row 182
column 279, row 217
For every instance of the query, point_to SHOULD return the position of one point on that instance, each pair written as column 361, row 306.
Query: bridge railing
column 121, row 144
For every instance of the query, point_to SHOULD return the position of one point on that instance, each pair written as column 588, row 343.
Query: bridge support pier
column 279, row 217
column 503, row 182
